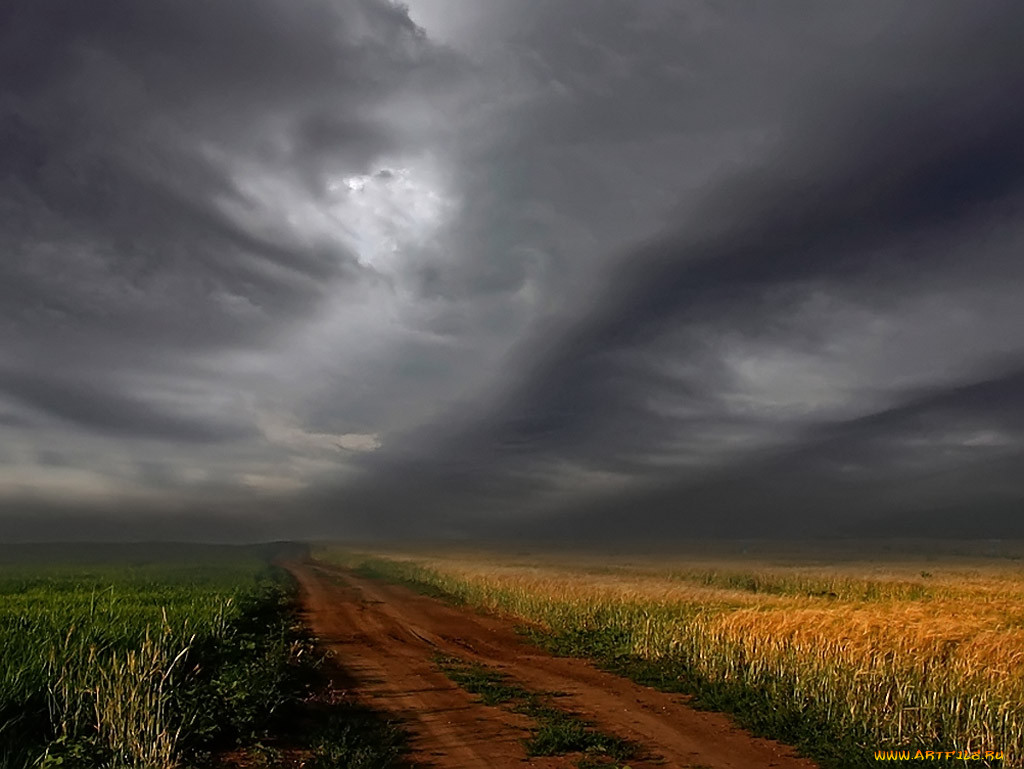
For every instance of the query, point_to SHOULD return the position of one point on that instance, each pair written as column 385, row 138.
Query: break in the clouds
column 336, row 267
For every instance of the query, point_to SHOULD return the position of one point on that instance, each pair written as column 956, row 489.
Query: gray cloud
column 515, row 270
column 126, row 133
column 942, row 451
column 104, row 409
column 870, row 195
column 163, row 174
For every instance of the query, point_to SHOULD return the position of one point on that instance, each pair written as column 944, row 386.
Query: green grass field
column 132, row 658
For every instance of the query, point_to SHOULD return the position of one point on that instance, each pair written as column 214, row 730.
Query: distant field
column 137, row 657
column 840, row 654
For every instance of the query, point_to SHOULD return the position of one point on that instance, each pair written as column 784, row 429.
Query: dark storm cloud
column 120, row 122
column 996, row 401
column 707, row 265
column 916, row 145
column 942, row 463
column 906, row 167
column 156, row 161
column 104, row 409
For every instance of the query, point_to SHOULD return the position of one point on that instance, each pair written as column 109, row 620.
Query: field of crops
column 136, row 660
column 841, row 660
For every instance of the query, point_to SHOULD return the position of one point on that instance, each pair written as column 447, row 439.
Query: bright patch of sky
column 390, row 210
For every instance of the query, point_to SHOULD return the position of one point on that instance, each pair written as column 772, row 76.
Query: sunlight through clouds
column 390, row 210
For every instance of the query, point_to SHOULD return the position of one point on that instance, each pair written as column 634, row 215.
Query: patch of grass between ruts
column 557, row 731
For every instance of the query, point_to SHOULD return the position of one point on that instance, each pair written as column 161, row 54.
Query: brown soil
column 385, row 636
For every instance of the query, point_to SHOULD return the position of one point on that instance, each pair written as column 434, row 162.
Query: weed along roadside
column 846, row 668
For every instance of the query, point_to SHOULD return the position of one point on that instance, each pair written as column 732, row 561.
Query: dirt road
column 385, row 636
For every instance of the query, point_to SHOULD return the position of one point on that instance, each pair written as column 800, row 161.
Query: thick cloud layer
column 652, row 269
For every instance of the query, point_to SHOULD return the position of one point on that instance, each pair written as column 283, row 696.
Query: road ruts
column 385, row 637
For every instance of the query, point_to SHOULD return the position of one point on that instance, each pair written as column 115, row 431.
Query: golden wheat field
column 886, row 652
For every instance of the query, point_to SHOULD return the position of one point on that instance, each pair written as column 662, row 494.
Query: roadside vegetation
column 164, row 659
column 325, row 733
column 841, row 663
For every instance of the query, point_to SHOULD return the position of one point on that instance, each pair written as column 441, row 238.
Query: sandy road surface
column 384, row 636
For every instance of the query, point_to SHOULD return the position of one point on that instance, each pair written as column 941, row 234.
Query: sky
column 551, row 269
